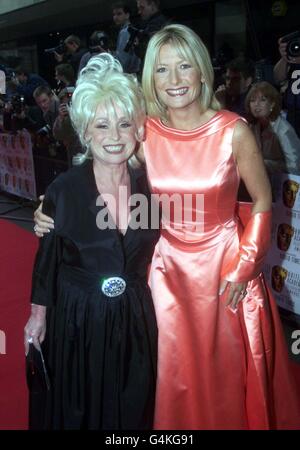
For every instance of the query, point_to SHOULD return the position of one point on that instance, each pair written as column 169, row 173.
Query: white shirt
column 289, row 142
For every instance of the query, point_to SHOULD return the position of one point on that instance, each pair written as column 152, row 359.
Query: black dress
column 100, row 351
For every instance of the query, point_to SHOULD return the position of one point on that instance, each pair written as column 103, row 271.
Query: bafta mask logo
column 289, row 193
column 279, row 275
column 285, row 233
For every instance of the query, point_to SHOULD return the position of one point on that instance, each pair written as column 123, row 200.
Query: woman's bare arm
column 252, row 171
column 251, row 167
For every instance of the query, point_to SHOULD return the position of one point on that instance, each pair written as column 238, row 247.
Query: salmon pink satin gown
column 217, row 369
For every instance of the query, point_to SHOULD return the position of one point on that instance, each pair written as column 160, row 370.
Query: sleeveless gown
column 217, row 369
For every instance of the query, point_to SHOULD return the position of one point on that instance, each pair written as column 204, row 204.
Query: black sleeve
column 47, row 260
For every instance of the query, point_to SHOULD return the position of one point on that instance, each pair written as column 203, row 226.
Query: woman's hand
column 235, row 293
column 35, row 329
column 59, row 58
column 43, row 223
column 63, row 111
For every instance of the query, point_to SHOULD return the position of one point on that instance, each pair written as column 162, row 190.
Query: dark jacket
column 149, row 27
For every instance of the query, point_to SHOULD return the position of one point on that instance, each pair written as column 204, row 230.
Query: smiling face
column 260, row 106
column 112, row 136
column 177, row 81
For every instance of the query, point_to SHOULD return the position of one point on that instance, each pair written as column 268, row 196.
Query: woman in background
column 276, row 138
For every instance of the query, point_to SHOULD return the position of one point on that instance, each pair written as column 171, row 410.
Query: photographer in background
column 25, row 84
column 98, row 43
column 65, row 77
column 72, row 52
column 151, row 16
column 63, row 130
column 17, row 115
column 121, row 17
column 289, row 50
column 151, row 20
column 239, row 76
column 48, row 103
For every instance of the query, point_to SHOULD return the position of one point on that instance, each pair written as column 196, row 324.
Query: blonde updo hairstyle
column 102, row 81
column 191, row 48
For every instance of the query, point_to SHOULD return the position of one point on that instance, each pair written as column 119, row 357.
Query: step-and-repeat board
column 282, row 265
column 16, row 165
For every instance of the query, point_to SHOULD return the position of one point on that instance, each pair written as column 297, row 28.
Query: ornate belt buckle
column 113, row 286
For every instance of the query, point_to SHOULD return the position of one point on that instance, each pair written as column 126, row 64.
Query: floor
column 20, row 212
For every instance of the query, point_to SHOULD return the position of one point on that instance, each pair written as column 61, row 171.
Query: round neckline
column 217, row 122
column 194, row 130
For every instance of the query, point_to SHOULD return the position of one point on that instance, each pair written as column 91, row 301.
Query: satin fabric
column 254, row 244
column 217, row 369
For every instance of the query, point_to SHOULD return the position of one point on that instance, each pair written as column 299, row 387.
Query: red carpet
column 18, row 249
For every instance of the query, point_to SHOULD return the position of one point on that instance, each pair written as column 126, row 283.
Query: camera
column 69, row 92
column 18, row 104
column 98, row 39
column 65, row 95
column 293, row 44
column 44, row 131
column 60, row 49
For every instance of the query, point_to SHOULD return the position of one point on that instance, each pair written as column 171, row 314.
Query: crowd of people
column 129, row 47
column 200, row 346
column 20, row 106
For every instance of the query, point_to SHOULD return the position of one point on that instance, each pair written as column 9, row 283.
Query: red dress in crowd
column 217, row 369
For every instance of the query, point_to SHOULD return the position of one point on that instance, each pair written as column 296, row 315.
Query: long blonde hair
column 191, row 48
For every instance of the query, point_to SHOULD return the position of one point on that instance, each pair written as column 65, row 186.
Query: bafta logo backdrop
column 16, row 165
column 282, row 265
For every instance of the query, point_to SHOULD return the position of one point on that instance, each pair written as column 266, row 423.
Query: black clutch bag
column 36, row 372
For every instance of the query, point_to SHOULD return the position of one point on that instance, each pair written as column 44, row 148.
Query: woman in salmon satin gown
column 222, row 360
